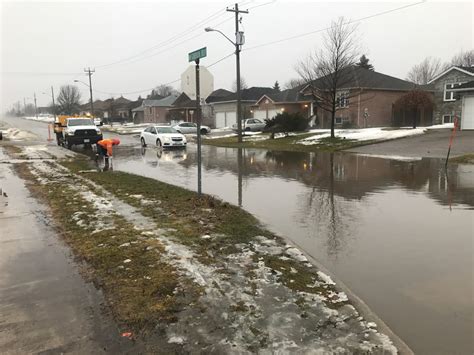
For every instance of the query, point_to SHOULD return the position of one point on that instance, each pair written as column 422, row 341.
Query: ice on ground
column 365, row 134
column 176, row 340
column 14, row 134
column 325, row 278
column 41, row 118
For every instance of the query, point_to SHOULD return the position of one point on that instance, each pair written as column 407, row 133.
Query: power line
column 168, row 83
column 327, row 28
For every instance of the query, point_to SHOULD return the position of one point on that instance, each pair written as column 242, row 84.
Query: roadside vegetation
column 463, row 159
column 289, row 143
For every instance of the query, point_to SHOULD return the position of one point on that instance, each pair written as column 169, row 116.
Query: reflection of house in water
column 352, row 176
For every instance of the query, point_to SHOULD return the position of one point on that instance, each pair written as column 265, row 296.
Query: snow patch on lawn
column 365, row 134
column 14, row 134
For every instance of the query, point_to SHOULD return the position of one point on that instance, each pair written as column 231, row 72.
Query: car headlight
column 167, row 139
column 69, row 133
column 98, row 131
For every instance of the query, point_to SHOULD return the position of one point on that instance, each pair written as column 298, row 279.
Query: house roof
column 168, row 101
column 216, row 94
column 250, row 94
column 465, row 70
column 184, row 101
column 357, row 77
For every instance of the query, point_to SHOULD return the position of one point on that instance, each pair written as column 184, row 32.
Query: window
column 342, row 99
column 338, row 120
column 448, row 94
column 447, row 118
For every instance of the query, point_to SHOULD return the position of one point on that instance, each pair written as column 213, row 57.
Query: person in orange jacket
column 104, row 147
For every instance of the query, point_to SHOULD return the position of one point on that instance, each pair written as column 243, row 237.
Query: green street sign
column 200, row 53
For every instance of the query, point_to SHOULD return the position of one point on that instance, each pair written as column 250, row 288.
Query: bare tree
column 162, row 91
column 463, row 59
column 243, row 84
column 425, row 71
column 293, row 83
column 330, row 69
column 68, row 100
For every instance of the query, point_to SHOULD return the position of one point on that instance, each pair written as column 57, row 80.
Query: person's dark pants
column 101, row 151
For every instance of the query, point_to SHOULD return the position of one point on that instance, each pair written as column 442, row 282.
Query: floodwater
column 399, row 234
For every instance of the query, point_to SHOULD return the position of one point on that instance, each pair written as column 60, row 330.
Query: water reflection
column 384, row 227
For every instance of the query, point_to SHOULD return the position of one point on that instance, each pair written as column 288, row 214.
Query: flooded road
column 398, row 233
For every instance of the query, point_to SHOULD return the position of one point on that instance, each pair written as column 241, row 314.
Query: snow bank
column 14, row 134
column 41, row 118
column 365, row 134
column 441, row 126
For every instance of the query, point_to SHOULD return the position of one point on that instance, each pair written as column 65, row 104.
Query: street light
column 90, row 89
column 54, row 105
column 239, row 41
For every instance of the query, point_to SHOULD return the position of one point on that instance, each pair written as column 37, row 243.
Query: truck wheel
column 69, row 145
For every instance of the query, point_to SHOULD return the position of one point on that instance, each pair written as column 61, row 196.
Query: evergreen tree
column 364, row 63
column 276, row 86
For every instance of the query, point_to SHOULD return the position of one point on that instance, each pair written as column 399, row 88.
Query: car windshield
column 166, row 130
column 80, row 122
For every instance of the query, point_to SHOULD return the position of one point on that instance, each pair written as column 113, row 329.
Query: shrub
column 286, row 122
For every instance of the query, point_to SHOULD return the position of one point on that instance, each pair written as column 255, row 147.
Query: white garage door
column 262, row 114
column 467, row 120
column 225, row 119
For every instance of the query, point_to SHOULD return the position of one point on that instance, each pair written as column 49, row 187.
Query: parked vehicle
column 191, row 127
column 250, row 124
column 76, row 130
column 162, row 137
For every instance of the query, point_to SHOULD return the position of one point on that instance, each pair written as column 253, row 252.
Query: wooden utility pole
column 89, row 72
column 36, row 107
column 238, row 43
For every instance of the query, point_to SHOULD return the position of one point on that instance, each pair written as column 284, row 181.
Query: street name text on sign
column 200, row 53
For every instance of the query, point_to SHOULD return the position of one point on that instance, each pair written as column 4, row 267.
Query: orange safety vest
column 107, row 144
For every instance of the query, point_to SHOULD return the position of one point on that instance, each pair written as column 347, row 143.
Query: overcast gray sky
column 50, row 43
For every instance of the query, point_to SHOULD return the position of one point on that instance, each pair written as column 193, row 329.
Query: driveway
column 433, row 144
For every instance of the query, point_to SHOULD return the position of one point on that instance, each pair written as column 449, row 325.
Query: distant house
column 464, row 94
column 446, row 105
column 223, row 107
column 366, row 100
column 291, row 101
column 183, row 109
column 153, row 111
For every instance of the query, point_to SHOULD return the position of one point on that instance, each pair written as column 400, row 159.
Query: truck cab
column 78, row 130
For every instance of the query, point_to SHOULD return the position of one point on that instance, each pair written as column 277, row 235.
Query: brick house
column 153, row 111
column 366, row 99
column 291, row 101
column 446, row 105
column 223, row 108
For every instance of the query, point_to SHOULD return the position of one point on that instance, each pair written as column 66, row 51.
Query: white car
column 250, row 124
column 190, row 127
column 162, row 137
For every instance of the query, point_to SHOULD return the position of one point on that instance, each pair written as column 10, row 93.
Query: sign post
column 194, row 57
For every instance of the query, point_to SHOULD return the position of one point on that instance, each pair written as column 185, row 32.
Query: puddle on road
column 398, row 233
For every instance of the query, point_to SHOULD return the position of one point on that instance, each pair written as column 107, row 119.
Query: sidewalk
column 45, row 305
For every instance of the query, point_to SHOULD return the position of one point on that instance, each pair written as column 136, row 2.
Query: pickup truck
column 78, row 130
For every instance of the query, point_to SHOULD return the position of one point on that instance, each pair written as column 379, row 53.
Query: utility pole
column 36, row 107
column 24, row 106
column 238, row 44
column 89, row 72
column 54, row 105
column 198, row 121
